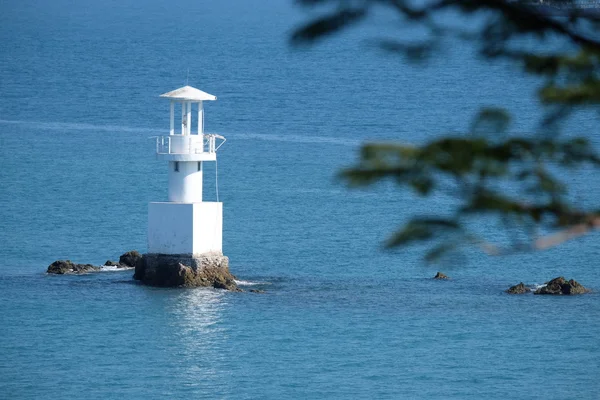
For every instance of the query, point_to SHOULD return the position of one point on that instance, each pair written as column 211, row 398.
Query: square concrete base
column 185, row 228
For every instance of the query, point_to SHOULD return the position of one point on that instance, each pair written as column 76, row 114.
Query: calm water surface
column 79, row 86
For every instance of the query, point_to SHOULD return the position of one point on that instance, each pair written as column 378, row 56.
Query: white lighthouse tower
column 185, row 225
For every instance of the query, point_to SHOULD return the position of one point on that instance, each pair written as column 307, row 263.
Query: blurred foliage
column 476, row 166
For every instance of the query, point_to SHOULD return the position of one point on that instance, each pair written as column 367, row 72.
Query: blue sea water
column 341, row 318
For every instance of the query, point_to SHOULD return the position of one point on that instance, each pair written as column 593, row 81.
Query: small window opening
column 176, row 166
column 200, row 166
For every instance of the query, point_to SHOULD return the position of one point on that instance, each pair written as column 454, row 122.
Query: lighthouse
column 185, row 233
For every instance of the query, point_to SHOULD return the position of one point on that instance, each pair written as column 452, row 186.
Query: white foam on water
column 298, row 139
column 71, row 126
column 249, row 283
column 112, row 268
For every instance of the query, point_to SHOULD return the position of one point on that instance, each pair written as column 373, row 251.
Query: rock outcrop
column 61, row 267
column 518, row 289
column 560, row 286
column 131, row 259
column 439, row 275
column 185, row 271
column 211, row 270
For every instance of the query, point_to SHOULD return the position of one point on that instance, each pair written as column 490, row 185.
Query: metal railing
column 189, row 144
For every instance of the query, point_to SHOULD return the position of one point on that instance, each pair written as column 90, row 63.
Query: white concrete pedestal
column 185, row 228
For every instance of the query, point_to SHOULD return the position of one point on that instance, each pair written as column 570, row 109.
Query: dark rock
column 518, row 289
column 140, row 270
column 574, row 287
column 131, row 259
column 109, row 263
column 61, row 267
column 257, row 291
column 439, row 275
column 560, row 286
column 83, row 268
column 185, row 271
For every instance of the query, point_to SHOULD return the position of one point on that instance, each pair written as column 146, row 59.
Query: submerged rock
column 518, row 289
column 439, row 275
column 257, row 291
column 560, row 286
column 185, row 271
column 110, row 263
column 61, row 267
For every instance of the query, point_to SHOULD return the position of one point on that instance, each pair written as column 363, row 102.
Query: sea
column 341, row 316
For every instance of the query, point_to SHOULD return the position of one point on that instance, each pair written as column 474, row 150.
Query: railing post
column 169, row 144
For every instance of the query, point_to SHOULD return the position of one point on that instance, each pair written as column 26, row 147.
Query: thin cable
column 217, row 178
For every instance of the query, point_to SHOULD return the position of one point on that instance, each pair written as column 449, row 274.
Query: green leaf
column 440, row 250
column 491, row 121
column 421, row 229
column 327, row 25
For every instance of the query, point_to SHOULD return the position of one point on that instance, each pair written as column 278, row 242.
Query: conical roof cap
column 189, row 93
